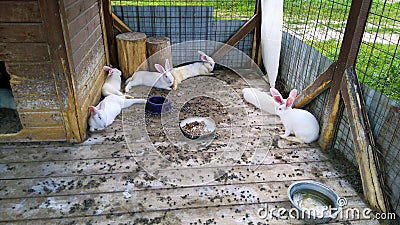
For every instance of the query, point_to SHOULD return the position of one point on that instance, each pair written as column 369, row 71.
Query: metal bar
column 363, row 141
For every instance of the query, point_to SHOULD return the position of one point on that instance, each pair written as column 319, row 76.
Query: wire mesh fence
column 312, row 38
column 188, row 20
column 318, row 26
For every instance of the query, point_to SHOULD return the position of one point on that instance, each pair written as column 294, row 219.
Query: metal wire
column 320, row 24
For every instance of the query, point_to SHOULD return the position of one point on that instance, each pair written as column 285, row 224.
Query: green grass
column 377, row 64
column 223, row 9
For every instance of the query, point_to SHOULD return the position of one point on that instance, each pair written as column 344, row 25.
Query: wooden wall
column 87, row 53
column 25, row 51
column 55, row 53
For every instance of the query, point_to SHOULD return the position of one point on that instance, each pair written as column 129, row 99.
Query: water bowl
column 158, row 105
column 315, row 202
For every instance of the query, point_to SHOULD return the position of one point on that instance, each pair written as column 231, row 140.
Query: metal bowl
column 158, row 105
column 316, row 202
column 209, row 127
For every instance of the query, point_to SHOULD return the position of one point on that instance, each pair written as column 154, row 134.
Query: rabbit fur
column 112, row 85
column 260, row 99
column 194, row 69
column 103, row 115
column 162, row 79
column 301, row 122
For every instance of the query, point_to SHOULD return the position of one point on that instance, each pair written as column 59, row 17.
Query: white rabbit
column 103, row 115
column 162, row 79
column 193, row 69
column 260, row 99
column 112, row 85
column 301, row 122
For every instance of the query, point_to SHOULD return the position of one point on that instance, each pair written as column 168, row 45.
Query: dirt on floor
column 9, row 121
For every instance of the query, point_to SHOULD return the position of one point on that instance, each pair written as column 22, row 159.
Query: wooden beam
column 239, row 35
column 356, row 22
column 363, row 141
column 322, row 82
column 120, row 25
column 256, row 45
column 54, row 22
column 108, row 32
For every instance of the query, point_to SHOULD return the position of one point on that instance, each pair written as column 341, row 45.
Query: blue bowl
column 158, row 105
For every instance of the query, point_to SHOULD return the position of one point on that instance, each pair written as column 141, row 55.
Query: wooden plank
column 108, row 32
column 24, row 52
column 37, row 103
column 73, row 11
column 223, row 214
column 21, row 32
column 109, row 204
column 29, row 70
column 322, row 82
column 81, row 37
column 75, row 25
column 85, row 47
column 19, row 11
column 23, row 87
column 60, row 56
column 120, row 25
column 348, row 52
column 35, row 134
column 41, row 119
column 364, row 146
column 85, row 67
column 240, row 34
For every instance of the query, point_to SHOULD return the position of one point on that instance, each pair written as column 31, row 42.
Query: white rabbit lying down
column 193, row 69
column 260, row 99
column 301, row 122
column 112, row 85
column 103, row 115
column 162, row 79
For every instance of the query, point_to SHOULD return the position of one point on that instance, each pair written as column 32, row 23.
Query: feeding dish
column 158, row 105
column 316, row 202
column 196, row 127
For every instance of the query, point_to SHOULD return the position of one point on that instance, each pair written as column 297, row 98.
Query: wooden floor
column 141, row 170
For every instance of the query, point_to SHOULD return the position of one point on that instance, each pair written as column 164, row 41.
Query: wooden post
column 345, row 93
column 131, row 49
column 158, row 49
column 363, row 141
column 108, row 32
column 250, row 25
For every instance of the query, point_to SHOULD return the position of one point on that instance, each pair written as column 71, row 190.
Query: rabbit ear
column 289, row 102
column 102, row 105
column 204, row 58
column 293, row 93
column 274, row 91
column 278, row 99
column 167, row 66
column 159, row 68
column 107, row 68
column 92, row 110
